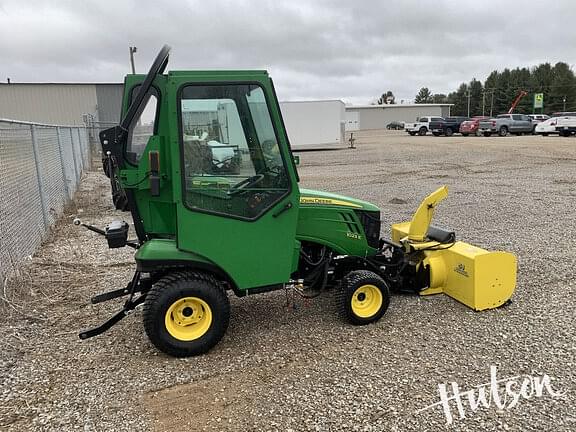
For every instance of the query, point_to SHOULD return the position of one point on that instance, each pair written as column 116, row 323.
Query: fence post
column 66, row 189
column 41, row 191
column 80, row 145
column 77, row 174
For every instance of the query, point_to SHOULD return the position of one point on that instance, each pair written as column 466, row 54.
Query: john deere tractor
column 202, row 162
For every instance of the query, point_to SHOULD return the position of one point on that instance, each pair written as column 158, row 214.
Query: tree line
column 496, row 94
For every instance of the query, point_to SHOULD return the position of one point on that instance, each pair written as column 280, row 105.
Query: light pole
column 132, row 51
column 564, row 100
column 468, row 95
column 491, row 102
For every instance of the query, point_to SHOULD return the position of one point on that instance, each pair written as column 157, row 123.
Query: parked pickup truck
column 447, row 127
column 506, row 123
column 422, row 125
column 566, row 126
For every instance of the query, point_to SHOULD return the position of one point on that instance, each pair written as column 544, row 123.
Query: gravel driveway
column 300, row 368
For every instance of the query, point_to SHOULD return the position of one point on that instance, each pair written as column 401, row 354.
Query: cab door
column 238, row 198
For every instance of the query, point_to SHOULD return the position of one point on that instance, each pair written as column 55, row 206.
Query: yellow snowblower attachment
column 474, row 276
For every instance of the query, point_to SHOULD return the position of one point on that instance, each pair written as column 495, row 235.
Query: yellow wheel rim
column 188, row 318
column 366, row 301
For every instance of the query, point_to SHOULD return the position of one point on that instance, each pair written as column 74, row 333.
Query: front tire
column 487, row 134
column 362, row 298
column 465, row 134
column 186, row 313
column 422, row 131
column 449, row 132
column 412, row 133
column 503, row 131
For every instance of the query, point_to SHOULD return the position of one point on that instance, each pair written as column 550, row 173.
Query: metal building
column 360, row 117
column 314, row 124
column 61, row 103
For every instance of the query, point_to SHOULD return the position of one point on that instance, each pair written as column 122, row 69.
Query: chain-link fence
column 93, row 129
column 40, row 170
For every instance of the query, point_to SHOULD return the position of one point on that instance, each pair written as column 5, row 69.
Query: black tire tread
column 153, row 302
column 349, row 284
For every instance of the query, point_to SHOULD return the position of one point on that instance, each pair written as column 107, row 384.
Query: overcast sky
column 322, row 49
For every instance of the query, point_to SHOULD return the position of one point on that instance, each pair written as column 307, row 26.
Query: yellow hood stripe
column 327, row 201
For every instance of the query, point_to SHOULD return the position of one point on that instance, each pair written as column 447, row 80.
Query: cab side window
column 143, row 126
column 232, row 163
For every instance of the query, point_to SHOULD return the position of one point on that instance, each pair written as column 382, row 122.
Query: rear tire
column 362, row 298
column 545, row 134
column 503, row 131
column 464, row 134
column 565, row 133
column 449, row 132
column 436, row 133
column 186, row 313
column 487, row 134
column 422, row 131
column 412, row 133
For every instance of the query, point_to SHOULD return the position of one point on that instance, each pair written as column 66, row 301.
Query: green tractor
column 201, row 160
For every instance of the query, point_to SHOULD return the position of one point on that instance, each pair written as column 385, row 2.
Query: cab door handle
column 286, row 207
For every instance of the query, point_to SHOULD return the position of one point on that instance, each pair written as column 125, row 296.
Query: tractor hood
column 320, row 198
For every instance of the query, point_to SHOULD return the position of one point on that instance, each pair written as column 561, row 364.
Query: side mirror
column 296, row 159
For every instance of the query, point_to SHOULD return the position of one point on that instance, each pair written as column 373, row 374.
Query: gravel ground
column 300, row 368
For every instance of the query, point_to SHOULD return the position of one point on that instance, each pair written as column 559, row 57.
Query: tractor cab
column 205, row 168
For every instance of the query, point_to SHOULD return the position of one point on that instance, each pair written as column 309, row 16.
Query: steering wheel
column 245, row 184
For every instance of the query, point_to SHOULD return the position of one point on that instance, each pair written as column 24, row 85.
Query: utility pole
column 492, row 103
column 132, row 51
column 468, row 95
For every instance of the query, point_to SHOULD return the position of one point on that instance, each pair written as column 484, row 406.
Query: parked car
column 537, row 118
column 566, row 126
column 395, row 125
column 448, row 126
column 547, row 127
column 421, row 126
column 470, row 127
column 506, row 123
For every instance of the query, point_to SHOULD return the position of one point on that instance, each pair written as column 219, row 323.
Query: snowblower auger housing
column 201, row 160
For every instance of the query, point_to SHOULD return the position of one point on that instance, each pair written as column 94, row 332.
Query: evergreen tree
column 423, row 96
column 475, row 88
column 458, row 98
column 500, row 89
column 562, row 91
column 439, row 98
